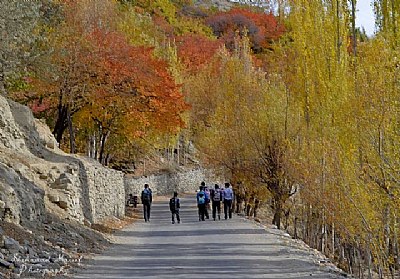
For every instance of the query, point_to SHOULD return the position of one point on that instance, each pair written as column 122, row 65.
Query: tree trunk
column 277, row 214
column 353, row 26
column 2, row 83
column 333, row 239
column 91, row 150
column 96, row 147
column 71, row 133
column 103, row 140
column 178, row 151
column 396, row 242
column 323, row 235
column 61, row 122
column 107, row 159
column 256, row 205
column 369, row 262
column 338, row 43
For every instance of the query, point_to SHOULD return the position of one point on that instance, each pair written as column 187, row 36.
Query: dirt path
column 235, row 248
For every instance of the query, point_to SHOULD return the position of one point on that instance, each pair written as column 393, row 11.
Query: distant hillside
column 227, row 4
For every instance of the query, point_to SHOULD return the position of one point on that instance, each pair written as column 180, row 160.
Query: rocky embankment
column 49, row 200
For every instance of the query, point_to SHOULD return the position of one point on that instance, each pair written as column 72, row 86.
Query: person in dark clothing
column 201, row 203
column 216, row 197
column 174, row 206
column 147, row 199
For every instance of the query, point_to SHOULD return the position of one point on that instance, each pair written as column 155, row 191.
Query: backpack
column 228, row 194
column 172, row 205
column 202, row 199
column 207, row 195
column 146, row 196
column 217, row 195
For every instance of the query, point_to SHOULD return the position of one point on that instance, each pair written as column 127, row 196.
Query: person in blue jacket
column 147, row 199
column 207, row 196
column 201, row 203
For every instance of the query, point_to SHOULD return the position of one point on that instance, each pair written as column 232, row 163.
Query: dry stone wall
column 105, row 192
column 186, row 181
column 36, row 176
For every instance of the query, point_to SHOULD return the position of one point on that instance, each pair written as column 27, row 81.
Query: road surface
column 235, row 248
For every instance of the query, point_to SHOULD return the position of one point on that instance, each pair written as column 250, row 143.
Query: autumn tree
column 61, row 81
column 195, row 51
column 133, row 92
column 94, row 83
column 260, row 27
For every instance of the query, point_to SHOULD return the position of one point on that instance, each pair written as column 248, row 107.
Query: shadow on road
column 211, row 249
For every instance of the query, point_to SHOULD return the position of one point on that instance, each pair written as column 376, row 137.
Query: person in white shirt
column 228, row 199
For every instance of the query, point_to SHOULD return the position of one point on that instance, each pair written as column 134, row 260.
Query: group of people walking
column 215, row 196
column 204, row 197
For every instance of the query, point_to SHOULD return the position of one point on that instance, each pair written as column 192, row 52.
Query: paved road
column 235, row 248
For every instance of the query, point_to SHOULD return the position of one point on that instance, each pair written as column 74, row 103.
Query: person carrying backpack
column 216, row 197
column 174, row 206
column 207, row 197
column 147, row 199
column 201, row 203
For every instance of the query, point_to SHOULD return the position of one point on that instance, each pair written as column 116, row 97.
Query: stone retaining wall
column 37, row 177
column 165, row 183
column 105, row 190
column 88, row 191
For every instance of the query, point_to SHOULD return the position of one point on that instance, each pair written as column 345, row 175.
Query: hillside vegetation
column 299, row 107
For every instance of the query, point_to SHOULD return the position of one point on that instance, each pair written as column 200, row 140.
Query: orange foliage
column 261, row 28
column 196, row 50
column 130, row 80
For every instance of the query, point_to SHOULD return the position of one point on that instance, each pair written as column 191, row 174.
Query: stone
column 51, row 144
column 6, row 264
column 72, row 169
column 11, row 244
column 17, row 264
column 87, row 223
column 54, row 198
column 63, row 204
column 44, row 255
column 32, row 253
column 64, row 181
column 23, row 250
column 2, row 204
